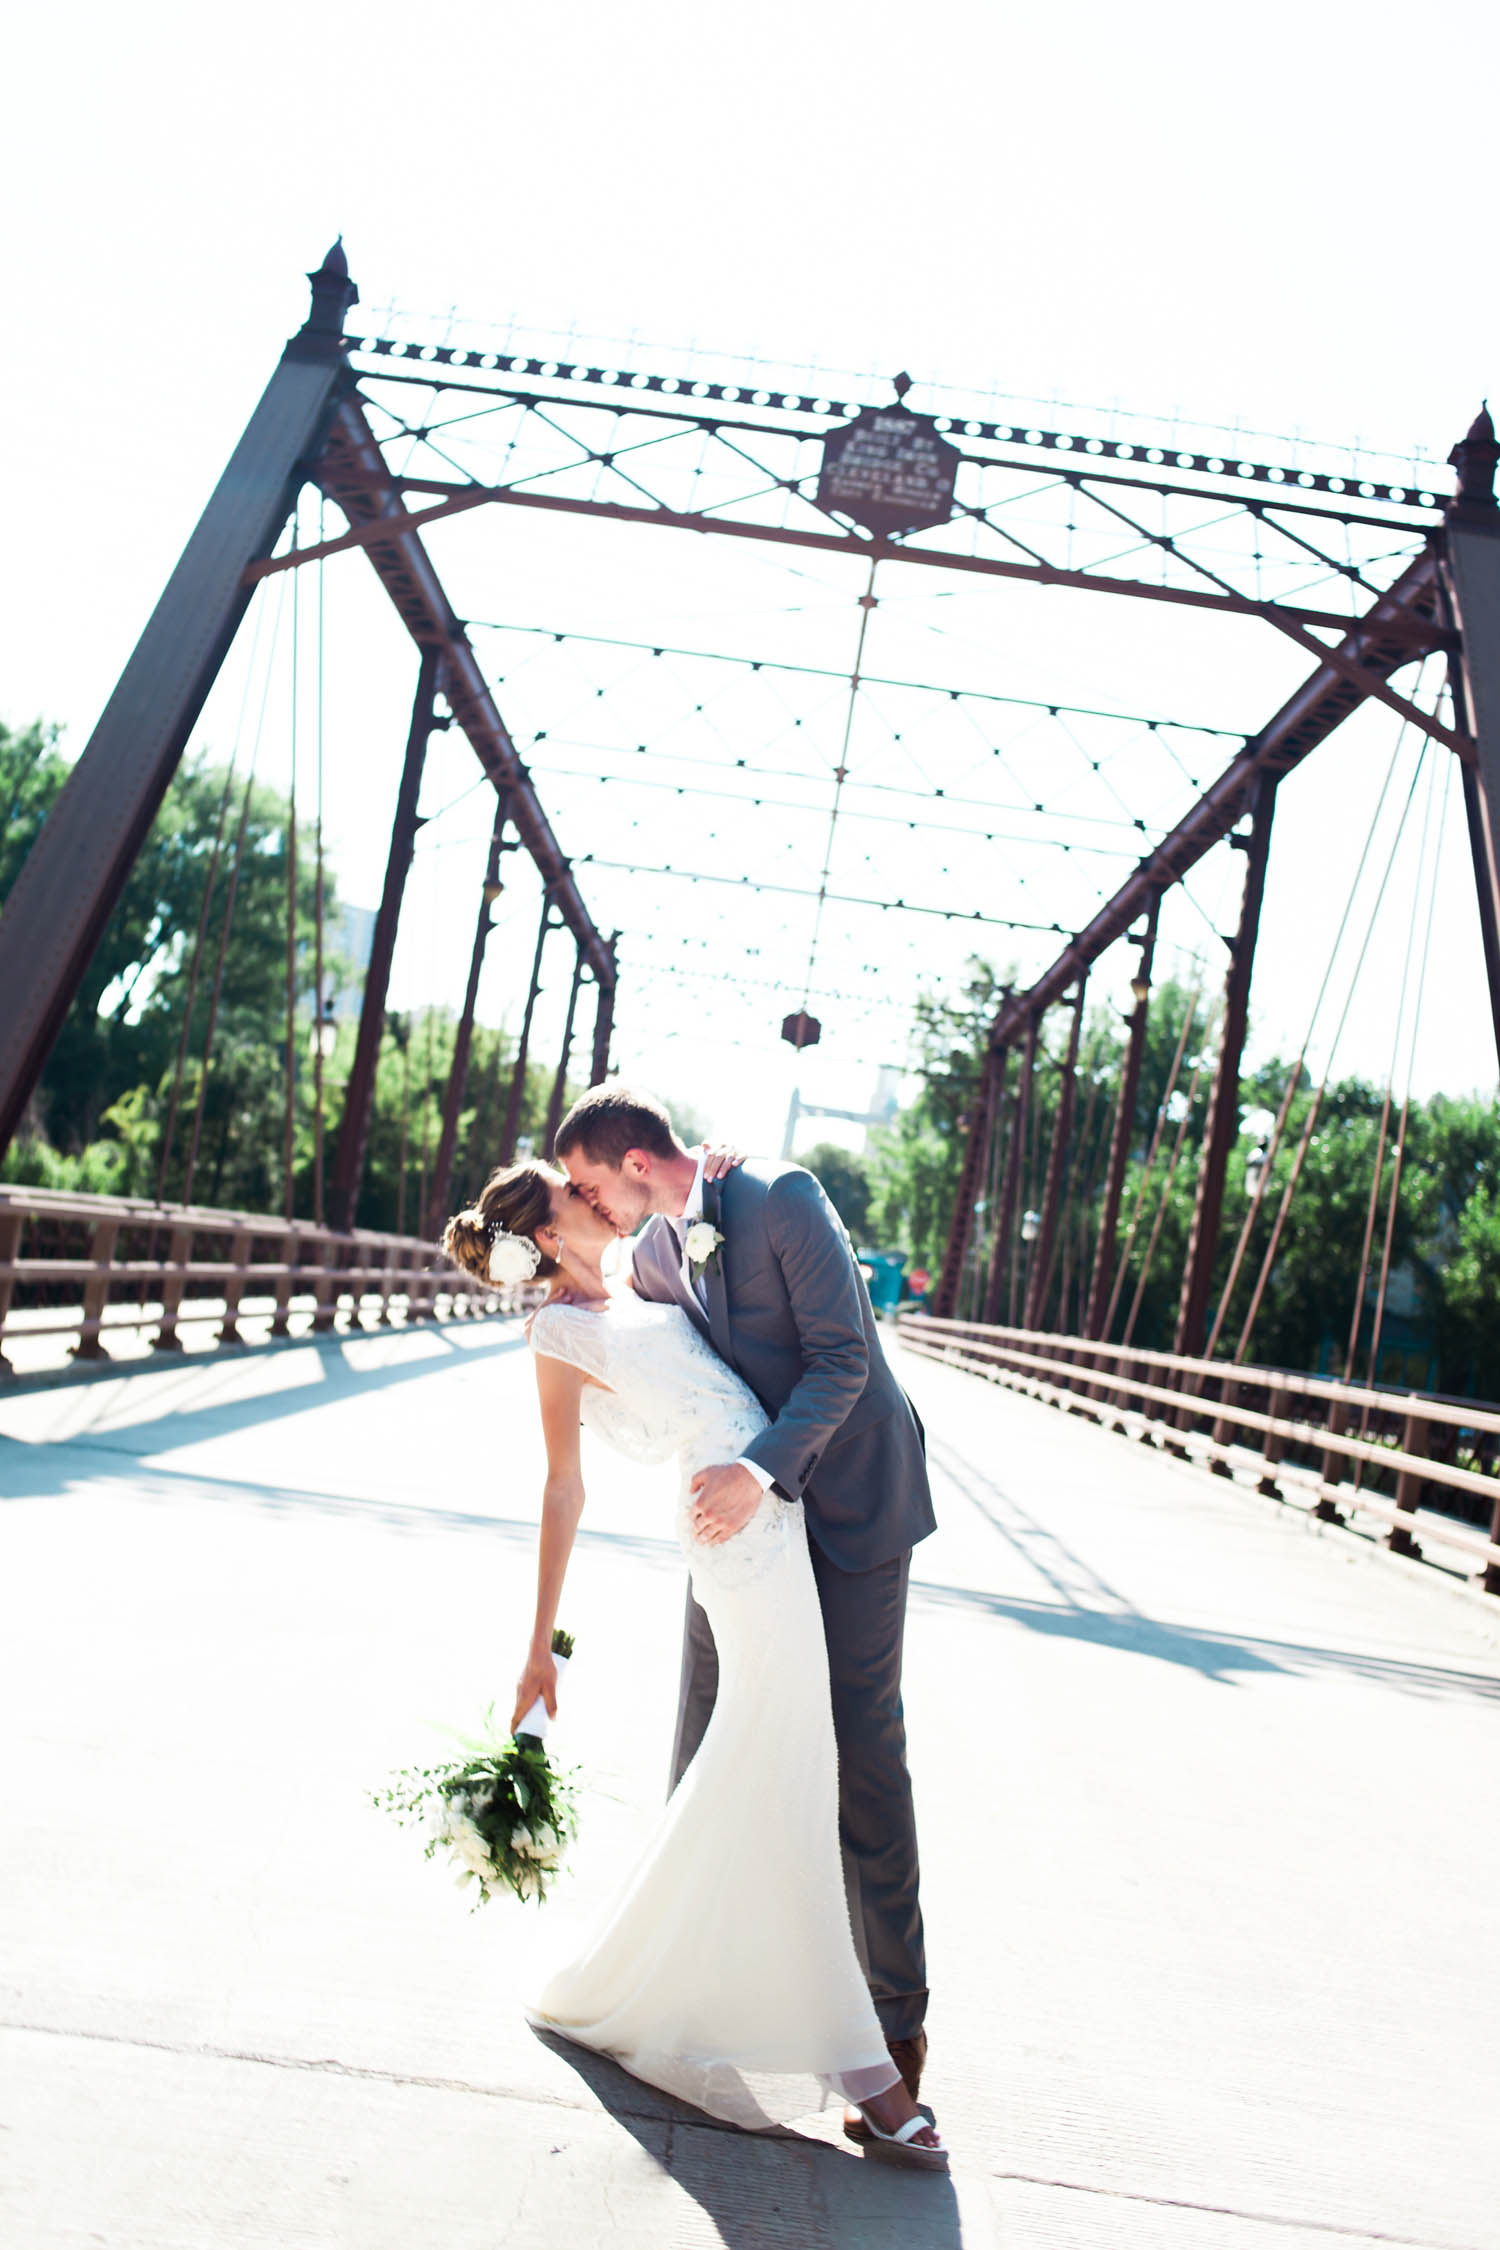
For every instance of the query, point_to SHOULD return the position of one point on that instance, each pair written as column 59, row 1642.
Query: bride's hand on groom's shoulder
column 720, row 1158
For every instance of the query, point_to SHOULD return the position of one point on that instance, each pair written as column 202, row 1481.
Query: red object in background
column 919, row 1281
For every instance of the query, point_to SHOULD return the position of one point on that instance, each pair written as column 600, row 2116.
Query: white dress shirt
column 692, row 1212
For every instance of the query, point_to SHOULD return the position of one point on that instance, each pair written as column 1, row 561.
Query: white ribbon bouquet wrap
column 535, row 1721
column 504, row 1814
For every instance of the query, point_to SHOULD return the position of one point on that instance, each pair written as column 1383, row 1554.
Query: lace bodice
column 669, row 1393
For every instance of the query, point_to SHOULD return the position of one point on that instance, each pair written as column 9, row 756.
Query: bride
column 726, row 1968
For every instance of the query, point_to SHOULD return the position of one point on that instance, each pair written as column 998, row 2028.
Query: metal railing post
column 102, row 1239
column 174, row 1282
column 11, row 1223
column 240, row 1247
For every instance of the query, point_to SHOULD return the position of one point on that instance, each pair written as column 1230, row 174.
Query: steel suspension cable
column 192, row 985
column 1062, row 1246
column 288, row 1151
column 203, row 912
column 1378, row 1170
column 231, row 893
column 1263, row 1177
column 1209, row 1028
column 1399, row 1156
column 1316, row 1104
column 1123, row 1260
column 841, row 773
column 318, row 907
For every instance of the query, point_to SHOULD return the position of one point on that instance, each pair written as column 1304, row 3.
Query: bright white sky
column 1234, row 217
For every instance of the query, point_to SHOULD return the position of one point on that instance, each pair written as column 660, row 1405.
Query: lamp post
column 1031, row 1227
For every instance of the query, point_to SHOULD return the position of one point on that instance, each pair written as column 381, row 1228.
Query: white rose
column 470, row 1847
column 701, row 1241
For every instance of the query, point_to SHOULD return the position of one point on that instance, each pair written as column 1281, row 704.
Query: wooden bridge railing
column 1383, row 1452
column 95, row 1266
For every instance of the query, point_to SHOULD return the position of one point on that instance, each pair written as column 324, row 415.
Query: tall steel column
column 1005, row 1217
column 1122, row 1129
column 970, row 1179
column 604, row 1020
column 518, row 1073
column 1222, row 1130
column 359, row 1094
column 1471, row 575
column 458, row 1073
column 74, row 875
column 560, row 1082
column 1041, row 1258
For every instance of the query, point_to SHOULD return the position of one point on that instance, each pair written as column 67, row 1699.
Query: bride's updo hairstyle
column 516, row 1199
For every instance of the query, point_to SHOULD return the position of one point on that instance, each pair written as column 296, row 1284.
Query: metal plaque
column 889, row 470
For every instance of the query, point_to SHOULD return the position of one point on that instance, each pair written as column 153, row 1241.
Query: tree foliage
column 845, row 1178
column 1441, row 1326
column 100, row 1113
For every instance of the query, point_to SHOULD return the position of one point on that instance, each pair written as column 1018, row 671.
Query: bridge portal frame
column 313, row 425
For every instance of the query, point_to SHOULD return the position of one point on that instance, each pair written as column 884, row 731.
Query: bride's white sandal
column 902, row 2147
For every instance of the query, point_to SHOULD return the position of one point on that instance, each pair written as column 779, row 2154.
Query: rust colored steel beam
column 1041, row 1257
column 359, row 1094
column 353, row 474
column 1321, row 704
column 1471, row 590
column 459, row 502
column 458, row 1073
column 1015, row 1153
column 75, row 872
column 698, row 405
column 1121, row 1131
column 560, row 1082
column 971, row 1175
column 1223, row 1126
column 604, row 1024
column 518, row 1071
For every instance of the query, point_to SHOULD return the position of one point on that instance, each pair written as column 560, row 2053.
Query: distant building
column 351, row 939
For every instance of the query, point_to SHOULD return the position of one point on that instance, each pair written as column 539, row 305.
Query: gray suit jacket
column 789, row 1311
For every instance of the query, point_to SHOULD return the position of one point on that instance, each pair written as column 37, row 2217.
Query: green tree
column 845, row 1178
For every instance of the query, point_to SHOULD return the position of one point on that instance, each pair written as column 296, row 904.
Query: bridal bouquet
column 504, row 1813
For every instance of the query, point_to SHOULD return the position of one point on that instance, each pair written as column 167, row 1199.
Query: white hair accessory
column 513, row 1257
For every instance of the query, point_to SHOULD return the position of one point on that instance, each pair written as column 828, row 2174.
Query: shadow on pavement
column 771, row 2187
column 218, row 1416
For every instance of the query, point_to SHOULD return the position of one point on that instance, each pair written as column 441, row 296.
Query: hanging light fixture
column 1255, row 1167
column 324, row 1035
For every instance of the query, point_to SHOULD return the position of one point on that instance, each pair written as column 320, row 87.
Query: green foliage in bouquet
column 504, row 1813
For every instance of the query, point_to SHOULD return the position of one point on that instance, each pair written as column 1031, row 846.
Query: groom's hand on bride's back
column 724, row 1500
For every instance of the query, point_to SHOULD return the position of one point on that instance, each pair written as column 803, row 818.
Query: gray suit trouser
column 864, row 1620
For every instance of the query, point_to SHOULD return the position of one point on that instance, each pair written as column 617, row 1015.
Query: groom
column 781, row 1299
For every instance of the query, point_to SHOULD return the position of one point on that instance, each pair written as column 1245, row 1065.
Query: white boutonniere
column 701, row 1243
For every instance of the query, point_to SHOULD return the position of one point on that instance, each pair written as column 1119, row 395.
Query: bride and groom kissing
column 772, row 1931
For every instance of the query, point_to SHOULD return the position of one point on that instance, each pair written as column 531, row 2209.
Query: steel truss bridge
column 400, row 434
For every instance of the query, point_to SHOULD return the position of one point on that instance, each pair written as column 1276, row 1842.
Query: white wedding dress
column 725, row 1972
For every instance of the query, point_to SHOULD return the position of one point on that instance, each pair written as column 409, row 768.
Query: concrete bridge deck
column 1207, row 1795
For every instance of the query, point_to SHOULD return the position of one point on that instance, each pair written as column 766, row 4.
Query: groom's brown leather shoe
column 910, row 2058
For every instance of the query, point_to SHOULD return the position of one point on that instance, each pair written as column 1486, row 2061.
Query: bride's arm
column 560, row 1388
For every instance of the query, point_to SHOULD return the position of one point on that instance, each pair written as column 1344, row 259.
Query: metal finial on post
column 333, row 293
column 1475, row 457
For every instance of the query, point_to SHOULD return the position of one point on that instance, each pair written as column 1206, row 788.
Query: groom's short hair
column 608, row 1120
